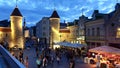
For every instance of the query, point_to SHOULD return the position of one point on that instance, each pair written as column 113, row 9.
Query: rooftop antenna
column 82, row 11
column 117, row 1
column 16, row 3
column 54, row 4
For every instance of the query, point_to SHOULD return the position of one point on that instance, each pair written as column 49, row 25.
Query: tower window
column 6, row 35
column 118, row 33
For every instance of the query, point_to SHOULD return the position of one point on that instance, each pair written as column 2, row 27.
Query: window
column 44, row 28
column 118, row 33
column 44, row 21
column 93, row 31
column 44, row 34
column 119, row 19
column 88, row 32
column 98, row 31
column 6, row 35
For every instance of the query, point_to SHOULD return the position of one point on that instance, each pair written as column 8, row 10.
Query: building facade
column 81, row 29
column 64, row 35
column 104, row 29
column 95, row 33
column 43, row 30
column 113, row 27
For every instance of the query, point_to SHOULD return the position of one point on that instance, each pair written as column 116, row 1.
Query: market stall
column 106, row 49
column 77, row 48
column 105, row 55
column 68, row 44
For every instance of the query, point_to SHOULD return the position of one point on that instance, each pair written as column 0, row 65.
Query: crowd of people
column 45, row 56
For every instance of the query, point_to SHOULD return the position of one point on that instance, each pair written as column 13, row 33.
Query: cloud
column 68, row 10
column 62, row 8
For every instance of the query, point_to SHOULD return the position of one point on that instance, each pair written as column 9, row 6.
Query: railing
column 12, row 61
column 114, row 39
column 95, row 37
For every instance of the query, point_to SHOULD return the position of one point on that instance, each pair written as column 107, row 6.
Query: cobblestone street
column 31, row 53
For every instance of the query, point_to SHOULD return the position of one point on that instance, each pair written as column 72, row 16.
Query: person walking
column 37, row 52
column 39, row 62
column 72, row 64
column 26, row 61
column 58, row 59
column 45, row 61
column 52, row 58
column 21, row 57
column 98, row 64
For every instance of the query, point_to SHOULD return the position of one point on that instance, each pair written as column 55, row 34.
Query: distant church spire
column 24, row 23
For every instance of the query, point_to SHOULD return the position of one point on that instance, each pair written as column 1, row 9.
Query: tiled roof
column 64, row 31
column 5, row 29
column 4, row 23
column 54, row 14
column 16, row 12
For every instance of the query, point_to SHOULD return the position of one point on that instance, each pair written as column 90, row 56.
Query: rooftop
column 54, row 14
column 16, row 12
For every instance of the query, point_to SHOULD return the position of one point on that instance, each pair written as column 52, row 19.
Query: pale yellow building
column 5, row 34
column 55, row 26
column 73, row 33
column 64, row 35
column 13, row 35
column 16, row 29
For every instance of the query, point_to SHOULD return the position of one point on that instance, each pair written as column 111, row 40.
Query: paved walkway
column 31, row 53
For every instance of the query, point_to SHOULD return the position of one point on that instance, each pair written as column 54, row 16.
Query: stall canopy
column 105, row 49
column 68, row 44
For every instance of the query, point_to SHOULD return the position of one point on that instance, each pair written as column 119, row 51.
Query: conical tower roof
column 54, row 14
column 16, row 12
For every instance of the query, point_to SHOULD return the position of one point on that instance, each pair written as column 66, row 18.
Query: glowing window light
column 56, row 46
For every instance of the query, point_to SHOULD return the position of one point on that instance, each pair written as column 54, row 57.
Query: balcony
column 99, row 38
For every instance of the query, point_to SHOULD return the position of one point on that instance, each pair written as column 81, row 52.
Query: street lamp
column 60, row 38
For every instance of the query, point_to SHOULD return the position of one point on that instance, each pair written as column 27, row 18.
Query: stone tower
column 55, row 26
column 16, row 29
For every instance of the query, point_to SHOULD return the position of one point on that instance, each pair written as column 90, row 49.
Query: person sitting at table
column 117, row 65
column 98, row 64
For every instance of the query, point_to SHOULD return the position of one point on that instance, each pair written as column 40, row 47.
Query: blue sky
column 34, row 10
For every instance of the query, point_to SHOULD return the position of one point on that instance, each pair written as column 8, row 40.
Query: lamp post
column 60, row 38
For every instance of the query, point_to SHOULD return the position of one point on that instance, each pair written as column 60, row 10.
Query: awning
column 68, row 44
column 105, row 49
